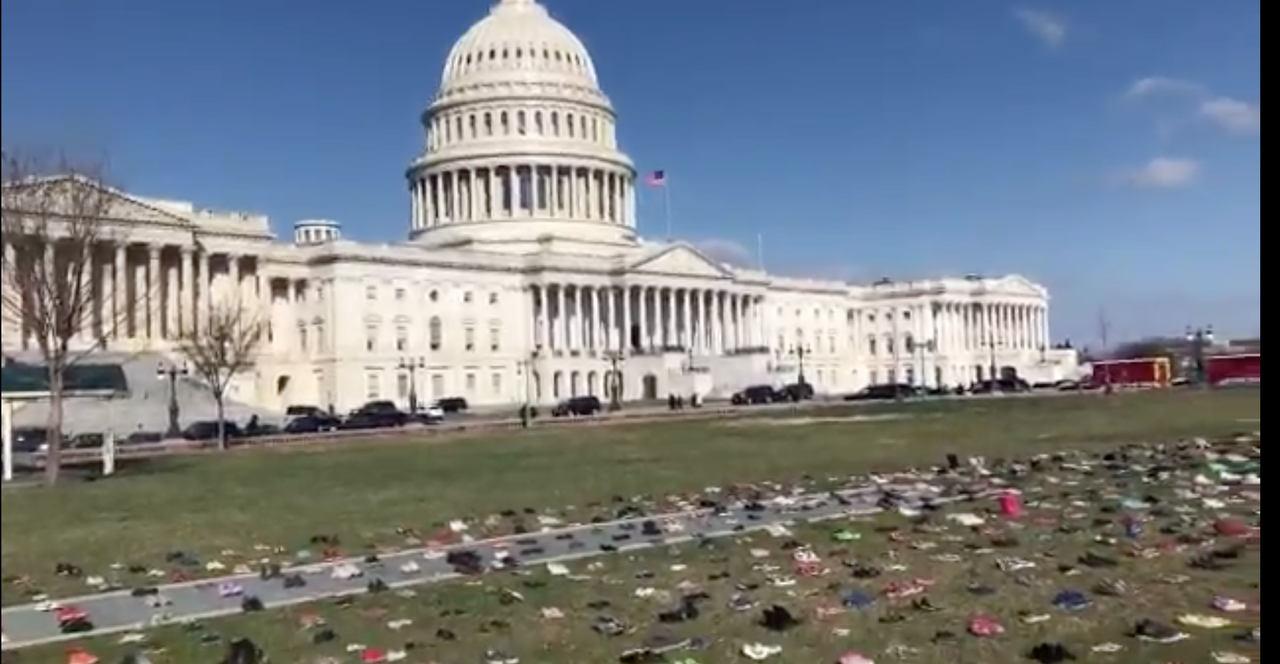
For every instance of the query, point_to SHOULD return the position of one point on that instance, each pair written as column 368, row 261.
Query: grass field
column 365, row 493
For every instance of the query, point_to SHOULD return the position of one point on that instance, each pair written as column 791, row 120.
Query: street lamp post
column 171, row 372
column 991, row 348
column 800, row 352
column 615, row 360
column 1200, row 339
column 412, row 365
column 528, row 365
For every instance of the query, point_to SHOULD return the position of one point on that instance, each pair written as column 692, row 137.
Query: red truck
column 1233, row 369
column 1138, row 372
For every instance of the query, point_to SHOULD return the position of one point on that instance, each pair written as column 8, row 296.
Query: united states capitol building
column 523, row 275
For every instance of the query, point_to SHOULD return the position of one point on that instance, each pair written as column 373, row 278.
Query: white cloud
column 1161, row 85
column 1049, row 29
column 1163, row 173
column 1233, row 115
column 726, row 251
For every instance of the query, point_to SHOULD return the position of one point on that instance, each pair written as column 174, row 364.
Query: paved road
column 124, row 610
column 473, row 423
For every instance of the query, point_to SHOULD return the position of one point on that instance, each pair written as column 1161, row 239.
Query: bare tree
column 54, row 219
column 226, row 346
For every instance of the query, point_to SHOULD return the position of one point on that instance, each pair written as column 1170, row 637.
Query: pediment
column 88, row 196
column 1020, row 285
column 127, row 208
column 680, row 261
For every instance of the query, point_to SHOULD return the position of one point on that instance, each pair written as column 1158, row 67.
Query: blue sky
column 859, row 139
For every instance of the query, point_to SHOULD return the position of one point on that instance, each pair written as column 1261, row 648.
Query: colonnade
column 140, row 291
column 999, row 325
column 517, row 191
column 955, row 328
column 572, row 318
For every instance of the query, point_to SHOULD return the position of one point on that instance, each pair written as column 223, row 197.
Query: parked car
column 577, row 407
column 883, row 392
column 30, row 439
column 796, row 392
column 384, row 411
column 362, row 419
column 316, row 423
column 207, row 430
column 451, row 405
column 754, row 395
column 144, row 438
column 432, row 414
column 85, row 441
column 1002, row 386
column 294, row 411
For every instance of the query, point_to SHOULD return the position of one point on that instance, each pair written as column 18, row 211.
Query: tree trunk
column 222, row 424
column 53, row 454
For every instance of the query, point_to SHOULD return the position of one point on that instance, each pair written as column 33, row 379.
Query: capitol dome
column 521, row 143
column 518, row 36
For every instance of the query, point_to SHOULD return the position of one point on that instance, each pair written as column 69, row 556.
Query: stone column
column 578, row 339
column 599, row 325
column 562, row 319
column 625, row 342
column 203, row 296
column 119, row 292
column 719, row 301
column 187, row 315
column 611, row 314
column 151, row 279
column 543, row 295
column 172, row 296
column 106, row 286
column 675, row 308
column 646, row 316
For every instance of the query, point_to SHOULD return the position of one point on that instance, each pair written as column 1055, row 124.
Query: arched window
column 505, row 122
column 436, row 333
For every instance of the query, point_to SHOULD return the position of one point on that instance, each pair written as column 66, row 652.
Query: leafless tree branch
column 54, row 219
column 227, row 346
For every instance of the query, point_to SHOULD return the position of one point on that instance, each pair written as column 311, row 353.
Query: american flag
column 656, row 179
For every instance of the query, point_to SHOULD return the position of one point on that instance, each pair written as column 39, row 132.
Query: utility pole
column 1104, row 332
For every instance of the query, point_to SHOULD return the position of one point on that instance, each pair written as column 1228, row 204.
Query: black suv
column 577, row 407
column 451, row 405
column 886, row 392
column 756, row 394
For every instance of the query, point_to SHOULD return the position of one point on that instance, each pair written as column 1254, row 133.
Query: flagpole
column 666, row 207
column 760, row 251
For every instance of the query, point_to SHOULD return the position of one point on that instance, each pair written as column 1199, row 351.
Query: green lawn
column 963, row 579
column 363, row 493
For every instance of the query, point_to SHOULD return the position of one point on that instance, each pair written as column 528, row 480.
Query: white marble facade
column 523, row 276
